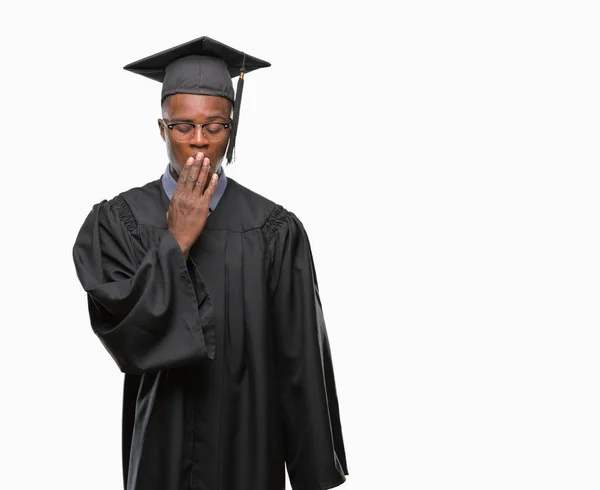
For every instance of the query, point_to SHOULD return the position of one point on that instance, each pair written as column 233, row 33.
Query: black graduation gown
column 228, row 372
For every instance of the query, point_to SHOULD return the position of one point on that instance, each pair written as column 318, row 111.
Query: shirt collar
column 169, row 185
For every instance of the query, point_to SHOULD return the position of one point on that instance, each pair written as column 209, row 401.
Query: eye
column 214, row 128
column 183, row 128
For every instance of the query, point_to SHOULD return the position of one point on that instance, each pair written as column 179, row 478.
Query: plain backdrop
column 444, row 159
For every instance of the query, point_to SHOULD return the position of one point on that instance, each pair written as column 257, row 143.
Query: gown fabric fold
column 228, row 374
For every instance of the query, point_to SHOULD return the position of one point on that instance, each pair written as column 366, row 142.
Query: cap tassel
column 236, row 112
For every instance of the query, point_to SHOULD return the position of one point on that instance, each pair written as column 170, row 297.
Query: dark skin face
column 197, row 109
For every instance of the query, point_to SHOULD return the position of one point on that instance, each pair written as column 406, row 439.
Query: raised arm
column 150, row 308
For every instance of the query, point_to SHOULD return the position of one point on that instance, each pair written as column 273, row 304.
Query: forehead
column 193, row 106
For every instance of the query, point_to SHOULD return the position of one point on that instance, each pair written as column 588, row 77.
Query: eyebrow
column 209, row 118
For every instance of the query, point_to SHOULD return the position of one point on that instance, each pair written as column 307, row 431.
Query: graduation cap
column 202, row 66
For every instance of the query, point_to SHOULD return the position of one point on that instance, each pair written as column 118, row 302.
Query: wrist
column 183, row 245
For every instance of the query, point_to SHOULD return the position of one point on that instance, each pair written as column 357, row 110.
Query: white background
column 443, row 157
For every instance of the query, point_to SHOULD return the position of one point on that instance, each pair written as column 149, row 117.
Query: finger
column 183, row 175
column 212, row 187
column 192, row 177
column 201, row 182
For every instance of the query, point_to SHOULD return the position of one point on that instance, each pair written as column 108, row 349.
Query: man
column 205, row 295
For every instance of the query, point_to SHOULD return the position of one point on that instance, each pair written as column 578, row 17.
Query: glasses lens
column 183, row 132
column 214, row 131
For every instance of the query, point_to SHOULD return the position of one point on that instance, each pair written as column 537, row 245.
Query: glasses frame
column 201, row 125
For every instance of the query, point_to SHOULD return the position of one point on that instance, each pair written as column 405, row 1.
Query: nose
column 199, row 139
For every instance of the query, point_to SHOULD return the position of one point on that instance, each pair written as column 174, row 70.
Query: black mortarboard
column 202, row 66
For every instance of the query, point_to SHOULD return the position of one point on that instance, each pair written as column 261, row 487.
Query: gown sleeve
column 149, row 308
column 314, row 447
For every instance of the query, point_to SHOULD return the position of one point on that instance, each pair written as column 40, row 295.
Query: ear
column 161, row 128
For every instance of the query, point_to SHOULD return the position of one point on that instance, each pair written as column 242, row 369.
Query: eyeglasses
column 184, row 132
